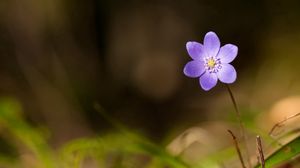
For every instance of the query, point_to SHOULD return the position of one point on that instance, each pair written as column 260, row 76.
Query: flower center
column 212, row 65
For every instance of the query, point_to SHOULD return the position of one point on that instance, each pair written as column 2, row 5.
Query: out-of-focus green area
column 99, row 83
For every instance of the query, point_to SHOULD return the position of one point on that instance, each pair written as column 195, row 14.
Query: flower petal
column 194, row 69
column 227, row 73
column 208, row 81
column 228, row 53
column 195, row 50
column 211, row 44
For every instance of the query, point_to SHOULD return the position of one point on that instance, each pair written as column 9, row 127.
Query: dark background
column 60, row 57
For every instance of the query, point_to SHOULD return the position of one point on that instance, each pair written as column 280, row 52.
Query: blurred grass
column 123, row 148
column 111, row 150
column 11, row 119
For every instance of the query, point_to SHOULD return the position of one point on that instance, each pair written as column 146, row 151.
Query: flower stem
column 242, row 129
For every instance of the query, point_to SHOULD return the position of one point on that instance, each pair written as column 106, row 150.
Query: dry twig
column 260, row 151
column 236, row 144
column 281, row 123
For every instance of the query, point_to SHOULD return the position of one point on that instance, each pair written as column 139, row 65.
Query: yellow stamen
column 211, row 63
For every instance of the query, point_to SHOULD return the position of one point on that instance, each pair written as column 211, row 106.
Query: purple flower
column 210, row 62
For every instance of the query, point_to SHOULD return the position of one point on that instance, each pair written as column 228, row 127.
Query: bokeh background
column 58, row 58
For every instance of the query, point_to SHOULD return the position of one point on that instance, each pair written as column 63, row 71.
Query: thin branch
column 281, row 123
column 260, row 151
column 242, row 129
column 236, row 144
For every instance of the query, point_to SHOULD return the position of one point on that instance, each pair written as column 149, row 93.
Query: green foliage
column 11, row 119
column 121, row 149
column 284, row 154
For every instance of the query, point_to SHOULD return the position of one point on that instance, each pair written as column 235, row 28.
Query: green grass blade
column 285, row 153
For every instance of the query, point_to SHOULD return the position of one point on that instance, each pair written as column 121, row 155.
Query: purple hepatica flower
column 210, row 62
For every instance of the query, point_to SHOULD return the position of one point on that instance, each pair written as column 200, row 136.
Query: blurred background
column 58, row 58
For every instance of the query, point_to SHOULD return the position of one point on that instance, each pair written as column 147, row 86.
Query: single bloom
column 210, row 61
